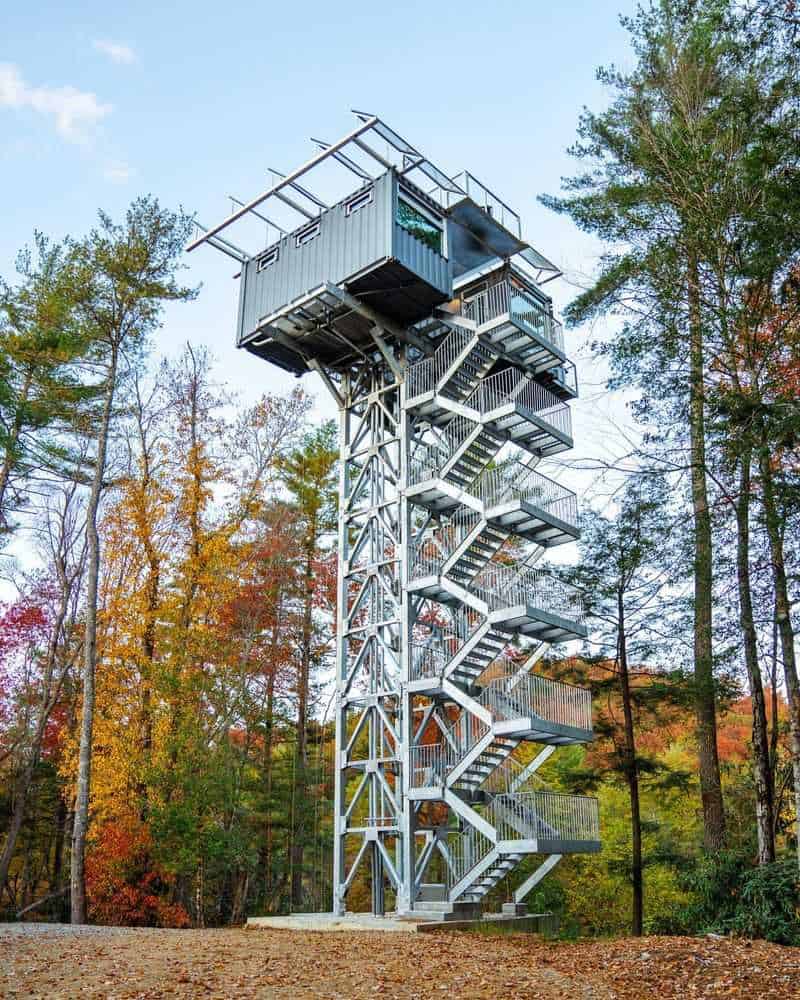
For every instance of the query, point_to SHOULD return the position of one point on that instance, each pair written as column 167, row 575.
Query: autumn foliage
column 124, row 884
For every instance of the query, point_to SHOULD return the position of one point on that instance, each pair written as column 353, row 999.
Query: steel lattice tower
column 418, row 303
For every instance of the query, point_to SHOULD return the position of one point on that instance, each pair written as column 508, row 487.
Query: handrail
column 427, row 660
column 426, row 461
column 508, row 777
column 513, row 480
column 512, row 386
column 422, row 376
column 499, row 585
column 465, row 850
column 505, row 586
column 430, row 764
column 506, row 298
column 429, row 553
column 553, row 702
column 566, row 374
column 544, row 815
column 542, row 698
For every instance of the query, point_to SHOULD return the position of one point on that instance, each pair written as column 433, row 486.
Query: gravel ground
column 69, row 930
column 59, row 962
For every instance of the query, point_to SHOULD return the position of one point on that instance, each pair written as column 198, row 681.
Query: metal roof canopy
column 458, row 196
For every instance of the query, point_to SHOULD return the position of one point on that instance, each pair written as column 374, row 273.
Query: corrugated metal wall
column 346, row 244
column 420, row 259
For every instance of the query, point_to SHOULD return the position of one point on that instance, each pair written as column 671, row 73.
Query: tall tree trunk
column 783, row 618
column 301, row 760
column 762, row 771
column 152, row 587
column 145, row 528
column 269, row 737
column 631, row 772
column 83, row 785
column 704, row 688
column 774, row 720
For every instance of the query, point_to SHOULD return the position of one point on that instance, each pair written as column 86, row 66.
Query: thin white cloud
column 118, row 172
column 74, row 111
column 116, row 51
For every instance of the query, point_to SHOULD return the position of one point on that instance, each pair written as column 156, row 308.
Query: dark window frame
column 268, row 257
column 359, row 200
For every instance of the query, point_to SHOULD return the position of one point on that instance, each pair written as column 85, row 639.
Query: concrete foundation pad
column 329, row 922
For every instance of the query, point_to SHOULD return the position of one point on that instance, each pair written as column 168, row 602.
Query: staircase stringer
column 457, row 362
column 478, row 869
column 470, row 816
column 467, row 647
column 470, row 757
column 463, row 547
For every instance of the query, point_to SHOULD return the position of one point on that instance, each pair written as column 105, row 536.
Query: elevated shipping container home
column 414, row 297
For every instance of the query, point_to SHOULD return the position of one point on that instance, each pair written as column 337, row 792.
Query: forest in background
column 166, row 661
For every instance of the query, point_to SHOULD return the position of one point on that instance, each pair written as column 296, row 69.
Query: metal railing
column 511, row 386
column 567, row 376
column 544, row 816
column 516, row 481
column 490, row 202
column 465, row 851
column 505, row 586
column 430, row 764
column 423, row 375
column 456, row 431
column 427, row 660
column 430, row 457
column 429, row 553
column 505, row 298
column 425, row 558
column 433, row 651
column 541, row 698
column 509, row 777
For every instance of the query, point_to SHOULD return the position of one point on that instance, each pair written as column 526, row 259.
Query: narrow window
column 307, row 234
column 419, row 225
column 268, row 257
column 359, row 201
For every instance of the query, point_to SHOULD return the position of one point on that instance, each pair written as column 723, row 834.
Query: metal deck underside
column 329, row 329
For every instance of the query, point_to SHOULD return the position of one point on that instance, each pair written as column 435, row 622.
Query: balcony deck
column 518, row 325
column 529, row 620
column 561, row 381
column 528, row 521
column 545, row 823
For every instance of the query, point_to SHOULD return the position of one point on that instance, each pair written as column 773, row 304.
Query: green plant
column 729, row 895
column 769, row 903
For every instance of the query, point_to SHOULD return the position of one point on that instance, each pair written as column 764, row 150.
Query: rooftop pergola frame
column 337, row 170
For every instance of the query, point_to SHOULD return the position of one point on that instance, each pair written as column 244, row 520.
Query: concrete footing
column 329, row 922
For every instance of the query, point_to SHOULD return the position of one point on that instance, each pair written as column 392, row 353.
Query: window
column 307, row 234
column 421, row 226
column 268, row 257
column 359, row 201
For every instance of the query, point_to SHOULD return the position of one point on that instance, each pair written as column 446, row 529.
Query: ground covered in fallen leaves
column 243, row 964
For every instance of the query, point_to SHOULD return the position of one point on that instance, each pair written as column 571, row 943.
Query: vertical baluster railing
column 510, row 298
column 424, row 375
column 465, row 850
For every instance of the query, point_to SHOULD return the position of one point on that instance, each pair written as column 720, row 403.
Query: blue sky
column 195, row 101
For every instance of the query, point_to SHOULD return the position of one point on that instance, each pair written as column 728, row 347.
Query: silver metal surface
column 443, row 606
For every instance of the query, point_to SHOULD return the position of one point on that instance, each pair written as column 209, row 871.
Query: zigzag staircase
column 486, row 613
